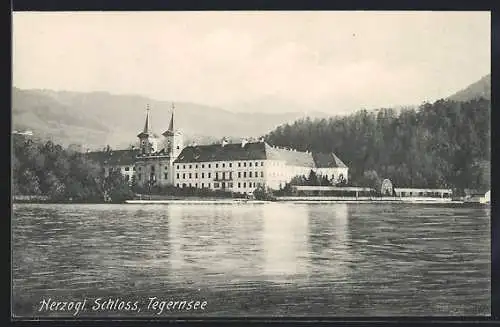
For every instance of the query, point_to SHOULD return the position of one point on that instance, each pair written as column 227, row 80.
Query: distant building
column 237, row 167
column 27, row 133
column 423, row 192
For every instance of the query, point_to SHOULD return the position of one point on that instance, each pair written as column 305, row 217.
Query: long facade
column 237, row 167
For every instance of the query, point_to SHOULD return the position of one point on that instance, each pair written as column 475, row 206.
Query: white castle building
column 236, row 167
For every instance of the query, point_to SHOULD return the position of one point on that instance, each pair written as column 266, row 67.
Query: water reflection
column 285, row 241
column 216, row 243
column 321, row 259
column 329, row 242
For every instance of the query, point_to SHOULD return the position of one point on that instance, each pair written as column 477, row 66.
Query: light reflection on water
column 276, row 258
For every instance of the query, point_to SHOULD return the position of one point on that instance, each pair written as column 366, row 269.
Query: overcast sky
column 327, row 61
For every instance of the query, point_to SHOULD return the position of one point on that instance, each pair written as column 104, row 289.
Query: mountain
column 97, row 119
column 479, row 89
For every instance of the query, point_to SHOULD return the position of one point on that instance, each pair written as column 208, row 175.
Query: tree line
column 62, row 174
column 444, row 144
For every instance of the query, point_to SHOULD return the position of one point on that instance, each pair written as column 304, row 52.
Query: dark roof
column 327, row 160
column 256, row 151
column 217, row 152
column 114, row 157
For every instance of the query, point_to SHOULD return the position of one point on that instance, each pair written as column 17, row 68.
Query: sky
column 253, row 61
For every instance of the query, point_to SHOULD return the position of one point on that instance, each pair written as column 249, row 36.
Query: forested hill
column 440, row 144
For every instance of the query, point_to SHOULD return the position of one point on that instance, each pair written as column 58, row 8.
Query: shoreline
column 293, row 200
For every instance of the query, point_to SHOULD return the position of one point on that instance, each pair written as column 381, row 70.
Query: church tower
column 173, row 140
column 172, row 144
column 146, row 137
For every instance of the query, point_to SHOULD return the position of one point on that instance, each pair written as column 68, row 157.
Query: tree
column 312, row 180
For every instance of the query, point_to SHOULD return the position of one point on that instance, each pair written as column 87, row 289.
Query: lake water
column 276, row 259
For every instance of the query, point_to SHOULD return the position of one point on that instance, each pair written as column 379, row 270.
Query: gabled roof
column 114, row 157
column 327, row 160
column 256, row 151
column 217, row 152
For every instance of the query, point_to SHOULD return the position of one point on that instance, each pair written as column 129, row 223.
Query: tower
column 173, row 140
column 146, row 137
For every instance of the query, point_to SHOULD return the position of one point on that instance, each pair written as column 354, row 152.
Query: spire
column 171, row 125
column 170, row 130
column 147, row 125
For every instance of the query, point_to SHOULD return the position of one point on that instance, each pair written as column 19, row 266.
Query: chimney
column 244, row 141
column 224, row 142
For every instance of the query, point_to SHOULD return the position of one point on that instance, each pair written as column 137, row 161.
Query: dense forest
column 61, row 174
column 440, row 144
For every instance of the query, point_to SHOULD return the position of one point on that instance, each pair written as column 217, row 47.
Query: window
column 177, row 147
column 127, row 168
column 190, row 175
column 140, row 176
column 196, row 185
column 195, row 175
column 244, row 164
column 250, row 174
column 261, row 174
column 177, row 166
column 230, row 175
column 183, row 166
column 230, row 185
column 262, row 163
column 202, row 175
column 250, row 164
column 217, row 175
column 133, row 168
column 239, row 184
column 230, row 165
column 202, row 185
column 139, row 168
column 239, row 174
column 209, row 166
column 244, row 185
column 209, row 175
column 216, row 165
column 166, row 175
column 177, row 185
column 256, row 164
column 203, row 166
column 190, row 185
column 216, row 185
column 166, row 167
column 244, row 174
column 223, row 165
column 177, row 175
column 239, row 164
column 126, row 177
column 208, row 185
column 190, row 166
column 152, row 168
column 196, row 166
column 184, row 176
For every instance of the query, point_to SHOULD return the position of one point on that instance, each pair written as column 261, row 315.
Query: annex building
column 237, row 167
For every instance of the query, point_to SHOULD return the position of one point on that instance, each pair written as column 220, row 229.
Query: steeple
column 147, row 126
column 170, row 130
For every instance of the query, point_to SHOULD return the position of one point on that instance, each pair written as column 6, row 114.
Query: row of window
column 223, row 185
column 222, row 175
column 223, row 165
